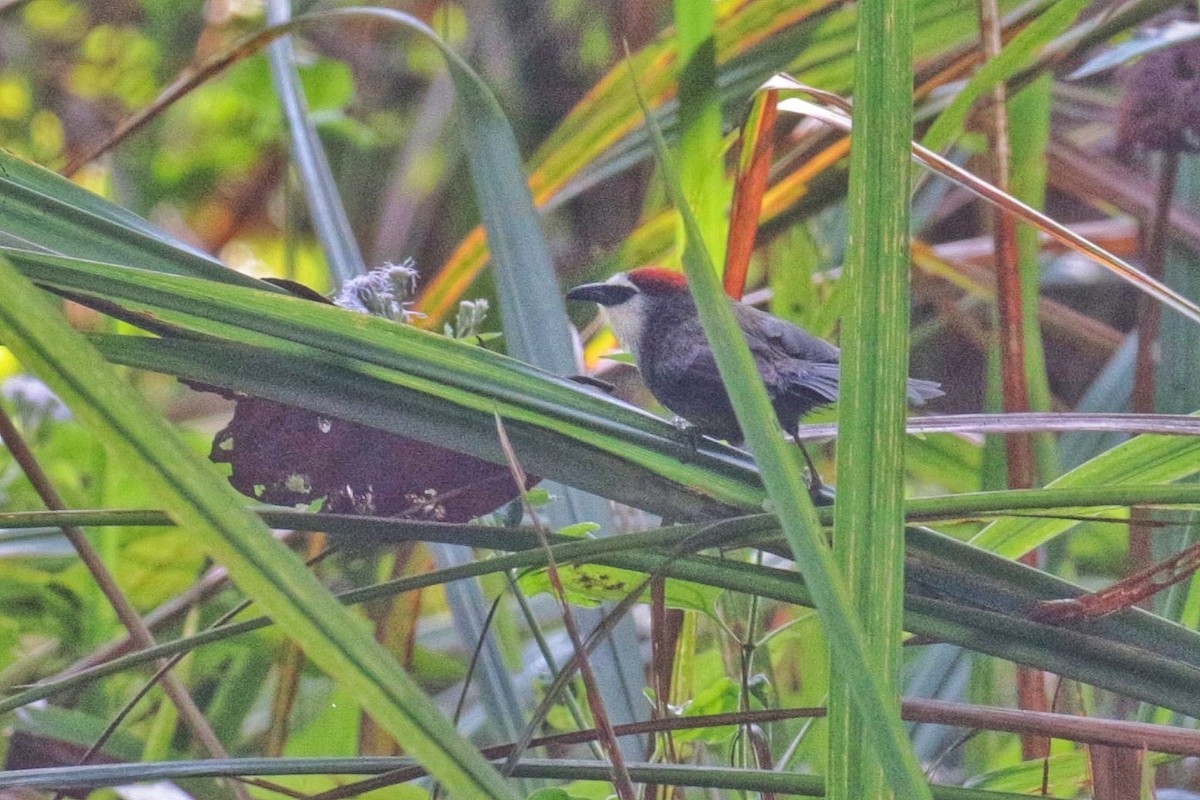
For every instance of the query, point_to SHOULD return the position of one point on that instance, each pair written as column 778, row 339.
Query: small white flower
column 385, row 291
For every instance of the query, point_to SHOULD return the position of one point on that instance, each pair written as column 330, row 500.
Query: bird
column 652, row 313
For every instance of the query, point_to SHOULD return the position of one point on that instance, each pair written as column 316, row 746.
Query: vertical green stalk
column 1029, row 133
column 701, row 167
column 868, row 530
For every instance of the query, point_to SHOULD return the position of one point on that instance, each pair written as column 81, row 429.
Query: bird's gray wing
column 700, row 372
column 692, row 377
column 784, row 337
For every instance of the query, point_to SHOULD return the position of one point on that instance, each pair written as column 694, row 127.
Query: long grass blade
column 45, row 212
column 1145, row 459
column 868, row 524
column 960, row 595
column 702, row 171
column 325, row 206
column 705, row 776
column 1016, row 53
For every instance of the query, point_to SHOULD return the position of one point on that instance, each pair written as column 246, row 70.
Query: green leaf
column 701, row 150
column 868, row 521
column 554, row 794
column 593, row 584
column 1146, row 41
column 959, row 594
column 722, row 696
column 705, row 775
column 325, row 206
column 1067, row 774
column 438, row 387
column 45, row 212
column 1143, row 459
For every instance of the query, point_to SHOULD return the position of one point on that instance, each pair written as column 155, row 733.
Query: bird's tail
column 823, row 379
column 919, row 391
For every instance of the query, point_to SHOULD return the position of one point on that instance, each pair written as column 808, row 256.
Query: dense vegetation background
column 209, row 157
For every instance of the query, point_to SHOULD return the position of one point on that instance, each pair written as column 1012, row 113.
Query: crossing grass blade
column 448, row 384
column 958, row 594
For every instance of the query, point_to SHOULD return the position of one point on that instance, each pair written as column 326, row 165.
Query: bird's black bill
column 606, row 294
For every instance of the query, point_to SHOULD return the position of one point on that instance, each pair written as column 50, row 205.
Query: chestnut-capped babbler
column 652, row 312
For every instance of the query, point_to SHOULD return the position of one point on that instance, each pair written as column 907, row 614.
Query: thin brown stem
column 621, row 780
column 1135, row 589
column 1031, row 692
column 1148, row 324
column 1085, row 730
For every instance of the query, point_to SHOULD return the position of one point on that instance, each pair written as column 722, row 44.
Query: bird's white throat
column 626, row 321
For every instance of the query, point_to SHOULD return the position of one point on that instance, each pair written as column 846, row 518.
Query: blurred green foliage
column 214, row 168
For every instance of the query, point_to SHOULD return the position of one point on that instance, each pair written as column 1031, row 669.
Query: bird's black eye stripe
column 619, row 294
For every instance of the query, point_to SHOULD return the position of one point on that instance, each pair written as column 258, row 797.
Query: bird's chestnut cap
column 656, row 280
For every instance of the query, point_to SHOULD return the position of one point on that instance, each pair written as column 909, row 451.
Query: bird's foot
column 816, row 486
column 691, row 436
column 812, row 478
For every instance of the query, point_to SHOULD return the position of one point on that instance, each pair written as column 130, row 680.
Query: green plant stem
column 868, row 531
column 705, row 776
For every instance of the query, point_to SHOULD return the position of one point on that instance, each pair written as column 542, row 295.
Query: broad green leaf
column 555, row 794
column 722, row 696
column 1144, row 459
column 593, row 584
column 1067, row 773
